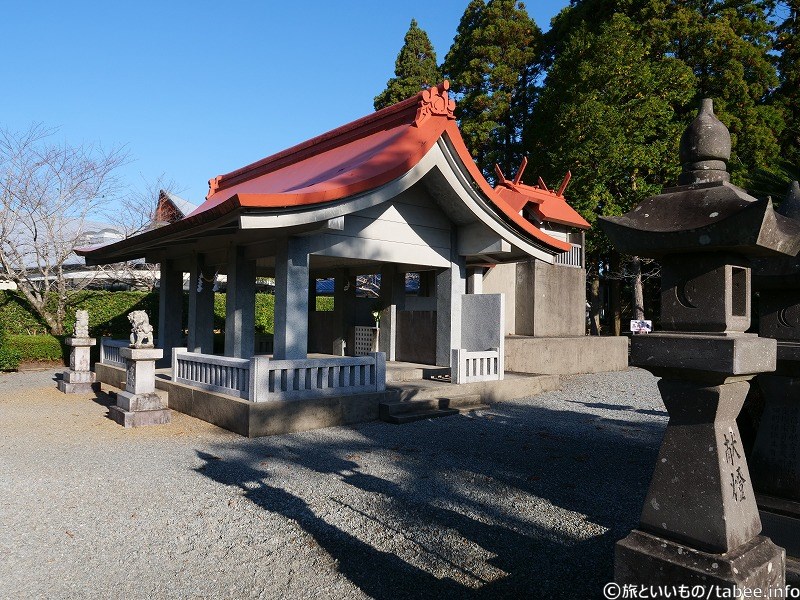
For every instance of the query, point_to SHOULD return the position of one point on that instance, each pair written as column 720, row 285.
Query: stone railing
column 213, row 373
column 571, row 258
column 467, row 367
column 109, row 351
column 260, row 379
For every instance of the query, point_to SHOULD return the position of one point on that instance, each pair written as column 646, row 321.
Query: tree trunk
column 594, row 299
column 638, row 292
column 616, row 304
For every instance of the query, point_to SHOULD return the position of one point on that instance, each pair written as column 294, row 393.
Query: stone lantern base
column 79, row 379
column 645, row 559
column 139, row 405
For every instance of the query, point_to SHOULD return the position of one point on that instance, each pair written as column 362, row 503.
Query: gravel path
column 523, row 500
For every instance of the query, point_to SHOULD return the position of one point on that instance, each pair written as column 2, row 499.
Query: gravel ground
column 523, row 500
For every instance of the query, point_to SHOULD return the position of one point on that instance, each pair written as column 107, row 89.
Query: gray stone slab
column 682, row 354
column 73, row 341
column 482, row 319
column 141, row 353
column 139, row 418
column 78, row 377
column 78, row 388
column 79, row 359
column 136, row 402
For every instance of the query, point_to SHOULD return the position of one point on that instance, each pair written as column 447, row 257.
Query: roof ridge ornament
column 213, row 185
column 435, row 101
column 705, row 148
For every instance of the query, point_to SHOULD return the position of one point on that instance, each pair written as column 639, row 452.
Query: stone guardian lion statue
column 142, row 332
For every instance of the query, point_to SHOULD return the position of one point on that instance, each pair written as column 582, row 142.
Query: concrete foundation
column 255, row 419
column 567, row 355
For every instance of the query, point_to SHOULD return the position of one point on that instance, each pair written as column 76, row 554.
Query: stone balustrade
column 213, row 373
column 261, row 379
column 467, row 366
column 109, row 351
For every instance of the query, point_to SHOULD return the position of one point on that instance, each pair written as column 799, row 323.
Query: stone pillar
column 170, row 309
column 393, row 295
column 475, row 280
column 450, row 286
column 79, row 379
column 240, row 305
column 342, row 319
column 201, row 309
column 291, row 298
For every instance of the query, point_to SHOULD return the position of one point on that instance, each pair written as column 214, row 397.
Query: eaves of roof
column 350, row 160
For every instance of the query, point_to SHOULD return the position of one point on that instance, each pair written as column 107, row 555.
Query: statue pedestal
column 139, row 405
column 646, row 559
column 79, row 379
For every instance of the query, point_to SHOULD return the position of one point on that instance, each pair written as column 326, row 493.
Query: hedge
column 37, row 347
column 9, row 357
column 108, row 312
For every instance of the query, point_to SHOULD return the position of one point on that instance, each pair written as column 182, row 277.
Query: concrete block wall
column 541, row 300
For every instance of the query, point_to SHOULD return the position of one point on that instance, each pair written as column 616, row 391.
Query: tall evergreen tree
column 727, row 44
column 492, row 67
column 415, row 68
column 788, row 96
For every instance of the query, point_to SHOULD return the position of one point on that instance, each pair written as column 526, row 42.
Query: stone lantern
column 775, row 458
column 700, row 523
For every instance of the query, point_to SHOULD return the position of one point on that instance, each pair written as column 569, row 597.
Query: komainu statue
column 142, row 332
column 81, row 329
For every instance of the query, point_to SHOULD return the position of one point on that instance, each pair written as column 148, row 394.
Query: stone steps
column 401, row 411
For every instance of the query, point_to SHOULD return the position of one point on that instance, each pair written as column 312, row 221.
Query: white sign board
column 641, row 326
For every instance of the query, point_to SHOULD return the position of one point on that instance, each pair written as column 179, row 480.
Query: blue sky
column 195, row 89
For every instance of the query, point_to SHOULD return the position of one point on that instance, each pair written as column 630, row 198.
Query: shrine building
column 392, row 193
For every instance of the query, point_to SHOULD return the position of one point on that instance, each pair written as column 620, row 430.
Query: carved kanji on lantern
column 435, row 101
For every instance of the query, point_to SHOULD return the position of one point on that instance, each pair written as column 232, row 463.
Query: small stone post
column 139, row 404
column 79, row 379
column 700, row 524
column 775, row 457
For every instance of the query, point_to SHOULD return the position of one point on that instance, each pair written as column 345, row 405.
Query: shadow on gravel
column 622, row 407
column 458, row 475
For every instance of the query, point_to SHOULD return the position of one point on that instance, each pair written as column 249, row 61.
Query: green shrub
column 36, row 347
column 9, row 357
column 108, row 312
column 324, row 303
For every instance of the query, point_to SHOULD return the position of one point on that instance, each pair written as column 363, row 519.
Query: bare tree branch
column 48, row 191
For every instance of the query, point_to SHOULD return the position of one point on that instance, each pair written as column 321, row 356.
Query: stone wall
column 481, row 316
column 541, row 300
column 502, row 279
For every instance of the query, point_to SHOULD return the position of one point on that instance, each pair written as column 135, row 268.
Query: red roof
column 354, row 158
column 546, row 204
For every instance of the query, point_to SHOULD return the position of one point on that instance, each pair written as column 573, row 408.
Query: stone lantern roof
column 705, row 213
